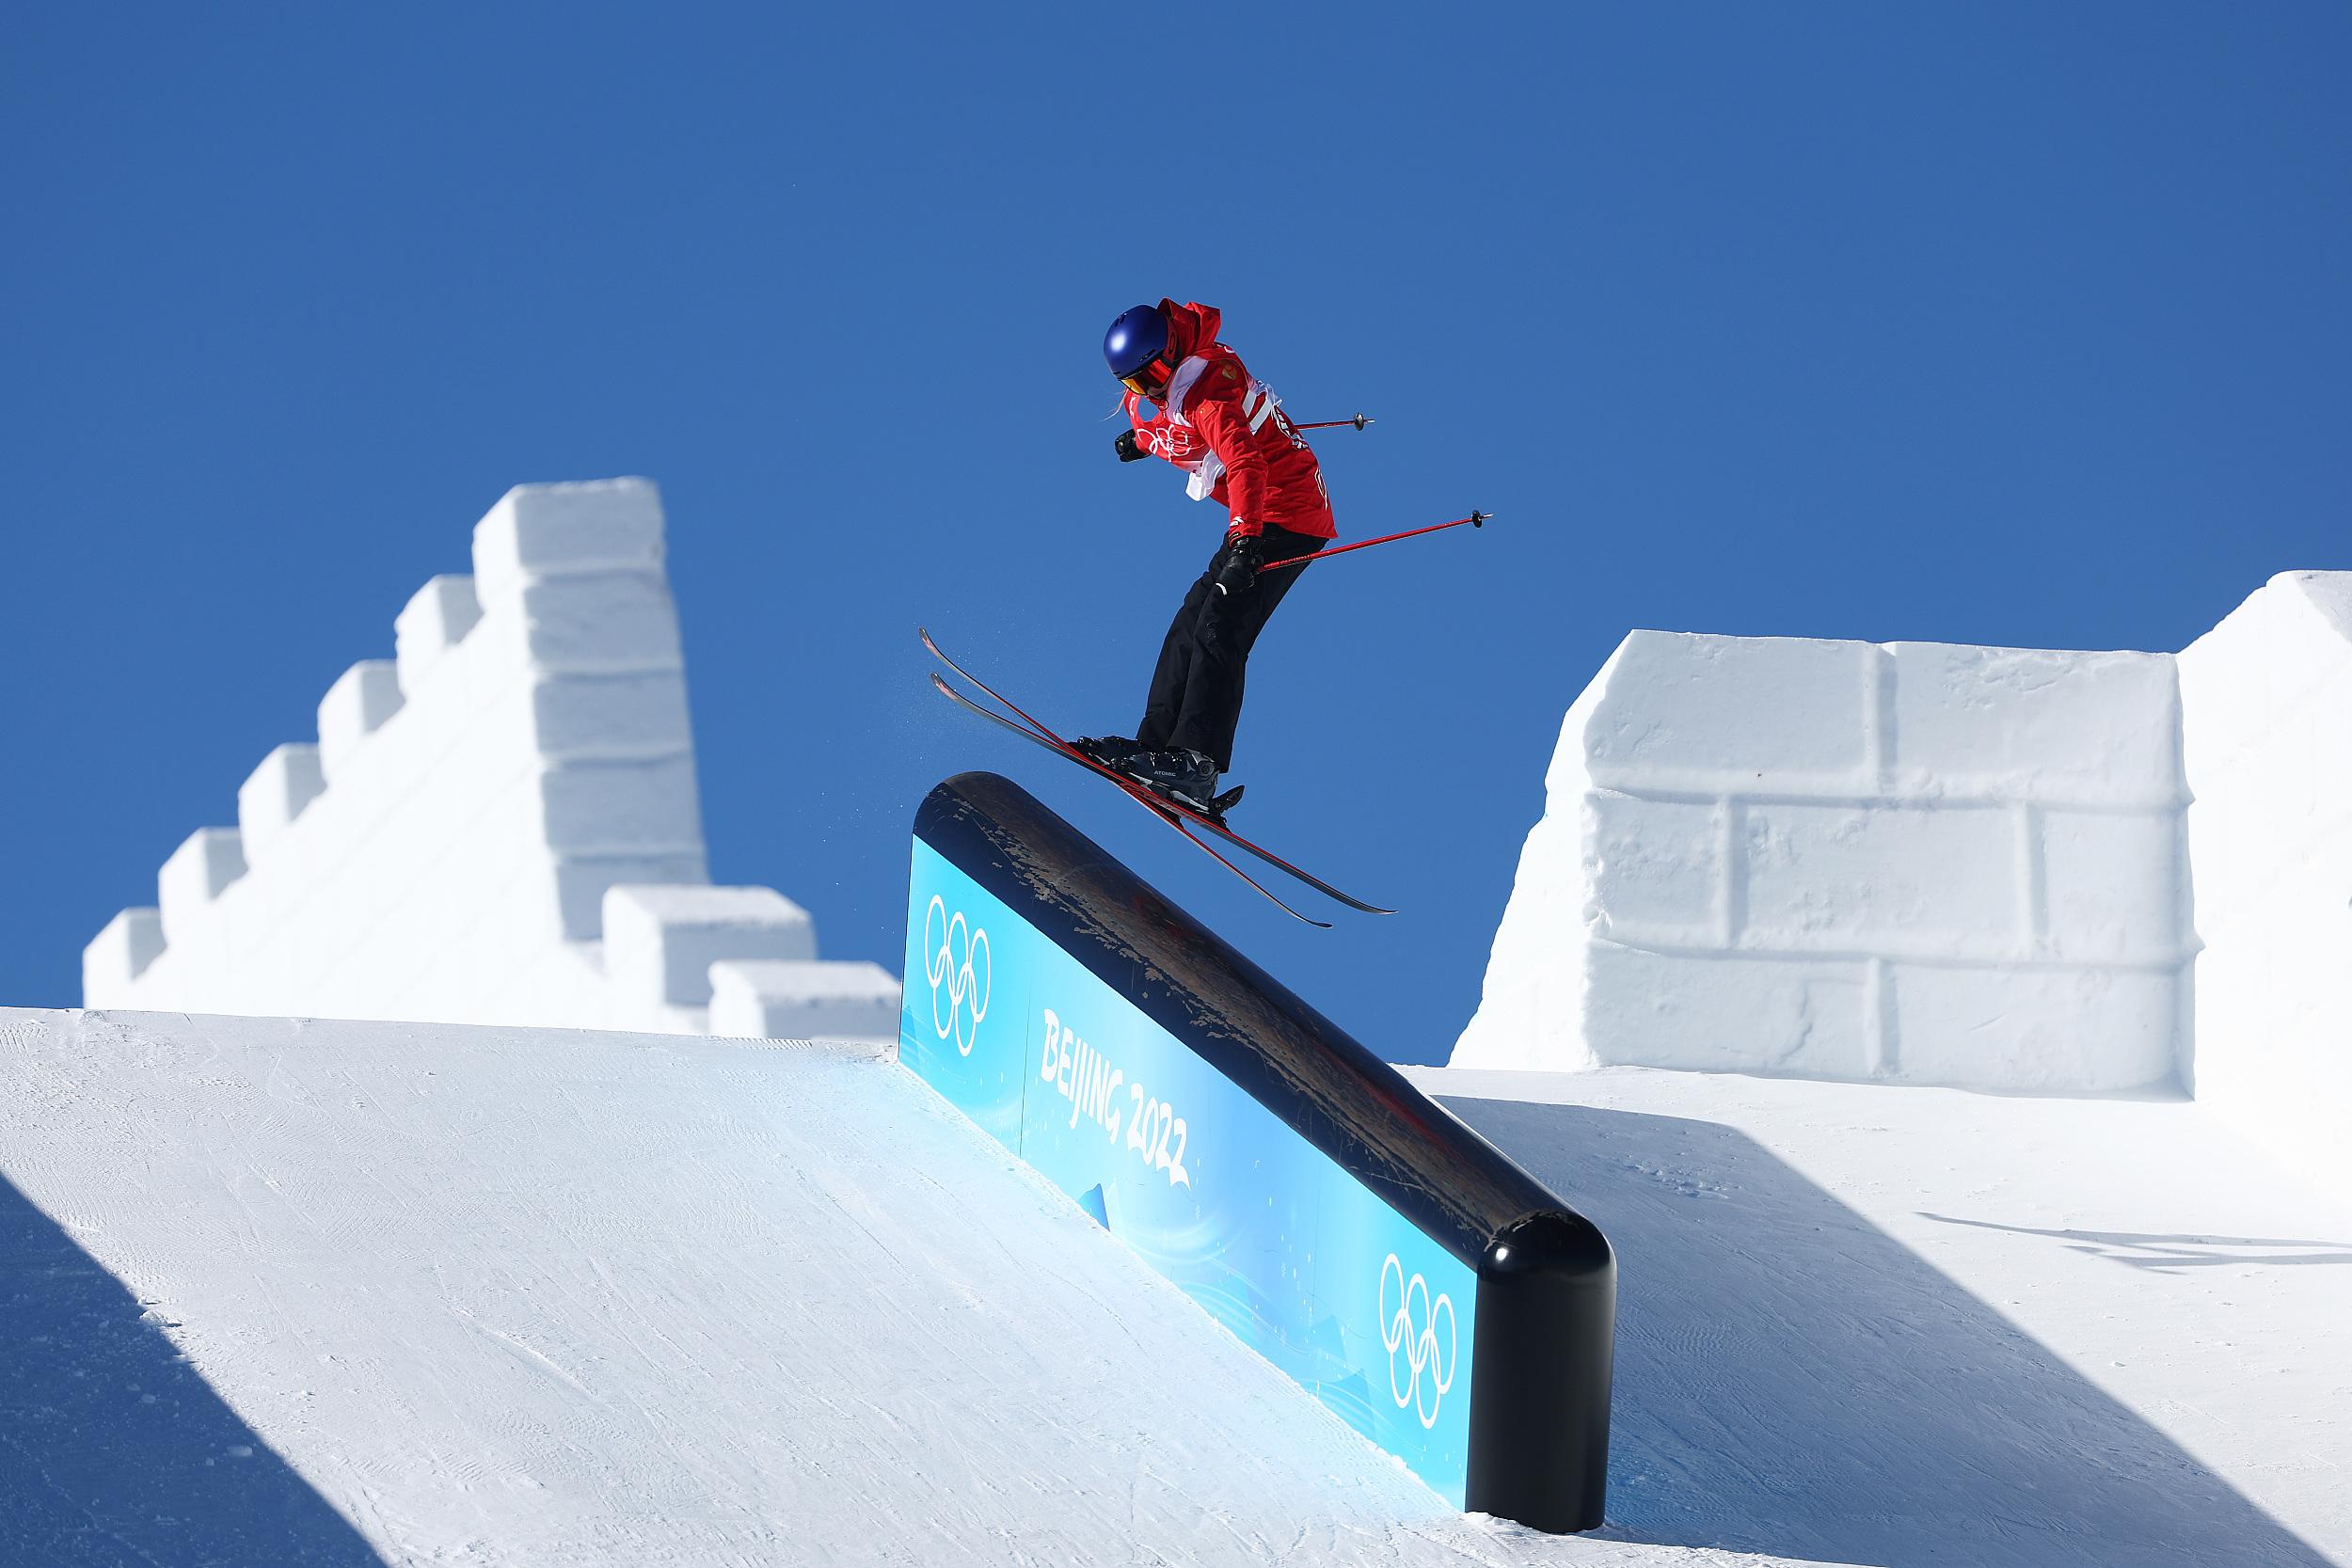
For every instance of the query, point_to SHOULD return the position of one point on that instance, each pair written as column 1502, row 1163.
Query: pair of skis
column 1182, row 818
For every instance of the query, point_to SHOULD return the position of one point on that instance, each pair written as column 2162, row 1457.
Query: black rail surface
column 1547, row 1280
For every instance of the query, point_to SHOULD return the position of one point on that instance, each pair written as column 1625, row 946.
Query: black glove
column 1128, row 447
column 1238, row 571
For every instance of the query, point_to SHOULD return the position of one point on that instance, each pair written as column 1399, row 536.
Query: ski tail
column 1002, row 700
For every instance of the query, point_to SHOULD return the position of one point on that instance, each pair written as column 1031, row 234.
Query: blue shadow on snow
column 115, row 1450
column 1792, row 1381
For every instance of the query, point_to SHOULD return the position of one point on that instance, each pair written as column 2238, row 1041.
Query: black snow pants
column 1197, row 688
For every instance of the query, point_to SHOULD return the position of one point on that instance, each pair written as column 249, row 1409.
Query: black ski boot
column 1116, row 752
column 1187, row 777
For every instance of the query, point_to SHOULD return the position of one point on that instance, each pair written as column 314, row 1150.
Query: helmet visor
column 1150, row 376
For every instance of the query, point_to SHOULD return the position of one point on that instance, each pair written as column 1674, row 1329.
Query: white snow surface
column 2268, row 696
column 282, row 1291
column 499, row 825
column 2003, row 869
column 1909, row 1326
column 1903, row 862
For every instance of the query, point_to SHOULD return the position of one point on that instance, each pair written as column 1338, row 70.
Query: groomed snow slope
column 1912, row 1326
column 279, row 1291
column 456, row 1295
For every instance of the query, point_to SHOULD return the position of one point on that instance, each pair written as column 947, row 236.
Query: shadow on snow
column 114, row 1449
column 2169, row 1254
column 1790, row 1380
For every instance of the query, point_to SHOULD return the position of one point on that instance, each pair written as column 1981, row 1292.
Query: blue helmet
column 1136, row 339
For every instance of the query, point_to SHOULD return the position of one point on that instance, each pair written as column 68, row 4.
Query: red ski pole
column 1476, row 519
column 1359, row 421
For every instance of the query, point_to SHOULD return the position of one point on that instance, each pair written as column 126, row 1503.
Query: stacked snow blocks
column 2268, row 698
column 762, row 999
column 445, row 852
column 1905, row 862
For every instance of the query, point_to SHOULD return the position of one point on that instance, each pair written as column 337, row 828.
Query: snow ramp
column 279, row 1291
column 1905, row 1326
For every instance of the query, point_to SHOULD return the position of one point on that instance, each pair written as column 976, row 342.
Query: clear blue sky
column 2018, row 323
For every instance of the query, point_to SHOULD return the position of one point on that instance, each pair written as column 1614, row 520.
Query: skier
column 1224, row 428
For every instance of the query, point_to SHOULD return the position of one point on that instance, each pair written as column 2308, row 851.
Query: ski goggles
column 1150, row 376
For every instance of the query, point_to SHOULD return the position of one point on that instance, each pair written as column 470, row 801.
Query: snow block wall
column 1906, row 863
column 2268, row 696
column 497, row 825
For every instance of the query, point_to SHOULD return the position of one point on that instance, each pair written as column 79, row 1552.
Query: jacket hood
column 1191, row 327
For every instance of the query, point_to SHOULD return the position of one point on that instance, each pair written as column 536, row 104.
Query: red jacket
column 1227, row 429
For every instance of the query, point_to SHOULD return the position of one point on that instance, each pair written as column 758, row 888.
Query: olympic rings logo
column 1171, row 442
column 1420, row 1349
column 960, row 959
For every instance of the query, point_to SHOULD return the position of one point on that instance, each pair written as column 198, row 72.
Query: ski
column 1135, row 793
column 1056, row 743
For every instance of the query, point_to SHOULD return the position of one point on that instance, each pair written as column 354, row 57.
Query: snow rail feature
column 1290, row 1183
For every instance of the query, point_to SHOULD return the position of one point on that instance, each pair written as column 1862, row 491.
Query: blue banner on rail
column 1293, row 1255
